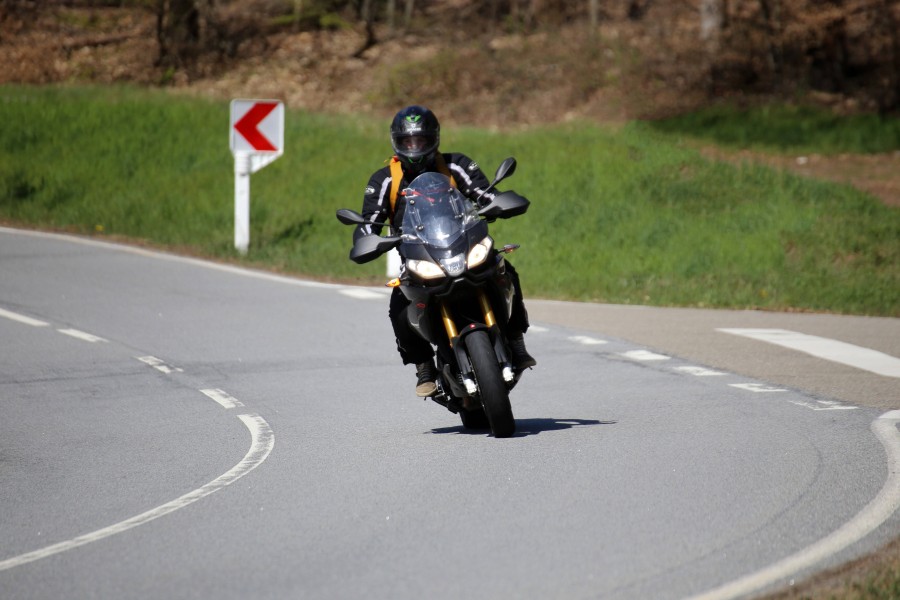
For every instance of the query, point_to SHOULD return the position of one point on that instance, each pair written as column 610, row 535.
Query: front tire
column 474, row 419
column 494, row 395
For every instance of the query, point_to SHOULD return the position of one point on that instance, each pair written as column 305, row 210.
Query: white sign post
column 393, row 263
column 256, row 139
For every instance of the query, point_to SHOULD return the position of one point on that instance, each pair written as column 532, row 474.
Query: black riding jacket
column 377, row 200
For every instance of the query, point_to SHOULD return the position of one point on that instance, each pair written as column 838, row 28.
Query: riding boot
column 520, row 357
column 426, row 373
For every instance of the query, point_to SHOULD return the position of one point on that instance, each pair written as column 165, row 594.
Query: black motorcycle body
column 460, row 294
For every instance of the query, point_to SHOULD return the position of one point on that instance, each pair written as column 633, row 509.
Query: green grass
column 623, row 216
column 788, row 129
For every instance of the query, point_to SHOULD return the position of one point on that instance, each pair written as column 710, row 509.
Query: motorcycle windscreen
column 436, row 213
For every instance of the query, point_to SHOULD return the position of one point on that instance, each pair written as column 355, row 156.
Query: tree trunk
column 594, row 13
column 534, row 11
column 367, row 13
column 298, row 13
column 893, row 19
column 177, row 32
column 711, row 20
column 772, row 13
column 391, row 10
column 407, row 13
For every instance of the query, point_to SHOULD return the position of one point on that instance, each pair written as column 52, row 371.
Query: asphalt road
column 179, row 429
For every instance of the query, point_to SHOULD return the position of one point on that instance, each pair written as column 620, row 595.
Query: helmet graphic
column 415, row 136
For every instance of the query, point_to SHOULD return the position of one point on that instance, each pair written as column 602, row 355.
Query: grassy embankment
column 624, row 216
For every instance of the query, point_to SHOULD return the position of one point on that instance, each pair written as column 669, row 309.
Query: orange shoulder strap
column 397, row 177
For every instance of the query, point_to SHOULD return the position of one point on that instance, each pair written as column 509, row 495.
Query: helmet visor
column 415, row 147
column 413, row 144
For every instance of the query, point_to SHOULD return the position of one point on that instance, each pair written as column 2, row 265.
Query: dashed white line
column 587, row 340
column 8, row 314
column 833, row 350
column 823, row 405
column 81, row 335
column 645, row 355
column 261, row 444
column 226, row 400
column 759, row 388
column 159, row 364
column 699, row 371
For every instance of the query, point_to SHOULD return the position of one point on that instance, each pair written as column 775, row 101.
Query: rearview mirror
column 506, row 169
column 350, row 217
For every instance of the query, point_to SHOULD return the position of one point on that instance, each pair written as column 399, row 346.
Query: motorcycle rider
column 415, row 137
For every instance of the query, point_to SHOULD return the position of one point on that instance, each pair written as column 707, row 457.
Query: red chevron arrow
column 248, row 123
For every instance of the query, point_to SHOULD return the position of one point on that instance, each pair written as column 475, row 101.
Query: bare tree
column 711, row 20
column 367, row 14
column 891, row 19
column 594, row 12
column 407, row 13
column 177, row 31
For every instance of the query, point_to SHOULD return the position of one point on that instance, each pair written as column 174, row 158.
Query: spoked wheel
column 494, row 395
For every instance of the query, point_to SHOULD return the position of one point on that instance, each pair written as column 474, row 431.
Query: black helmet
column 415, row 136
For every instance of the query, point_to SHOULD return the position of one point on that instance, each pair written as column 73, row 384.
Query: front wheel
column 474, row 419
column 494, row 395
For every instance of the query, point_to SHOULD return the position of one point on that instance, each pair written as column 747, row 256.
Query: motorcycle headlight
column 455, row 265
column 424, row 269
column 479, row 252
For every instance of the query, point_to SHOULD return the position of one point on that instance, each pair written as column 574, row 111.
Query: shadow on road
column 526, row 427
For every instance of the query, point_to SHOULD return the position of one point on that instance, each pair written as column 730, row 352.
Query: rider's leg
column 518, row 325
column 412, row 348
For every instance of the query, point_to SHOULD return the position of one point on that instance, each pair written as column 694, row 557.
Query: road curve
column 657, row 455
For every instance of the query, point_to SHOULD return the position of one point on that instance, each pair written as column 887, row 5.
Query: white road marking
column 757, row 387
column 865, row 522
column 222, row 398
column 699, row 371
column 22, row 318
column 823, row 405
column 587, row 340
column 159, row 364
column 262, row 442
column 645, row 355
column 81, row 335
column 833, row 350
column 537, row 329
column 363, row 294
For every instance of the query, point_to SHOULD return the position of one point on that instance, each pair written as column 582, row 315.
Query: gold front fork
column 489, row 319
column 449, row 325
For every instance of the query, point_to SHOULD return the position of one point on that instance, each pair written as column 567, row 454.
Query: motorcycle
column 460, row 294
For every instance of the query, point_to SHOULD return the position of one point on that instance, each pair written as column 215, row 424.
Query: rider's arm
column 470, row 180
column 376, row 203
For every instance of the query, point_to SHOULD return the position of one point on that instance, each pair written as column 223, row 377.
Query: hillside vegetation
column 484, row 62
column 623, row 215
